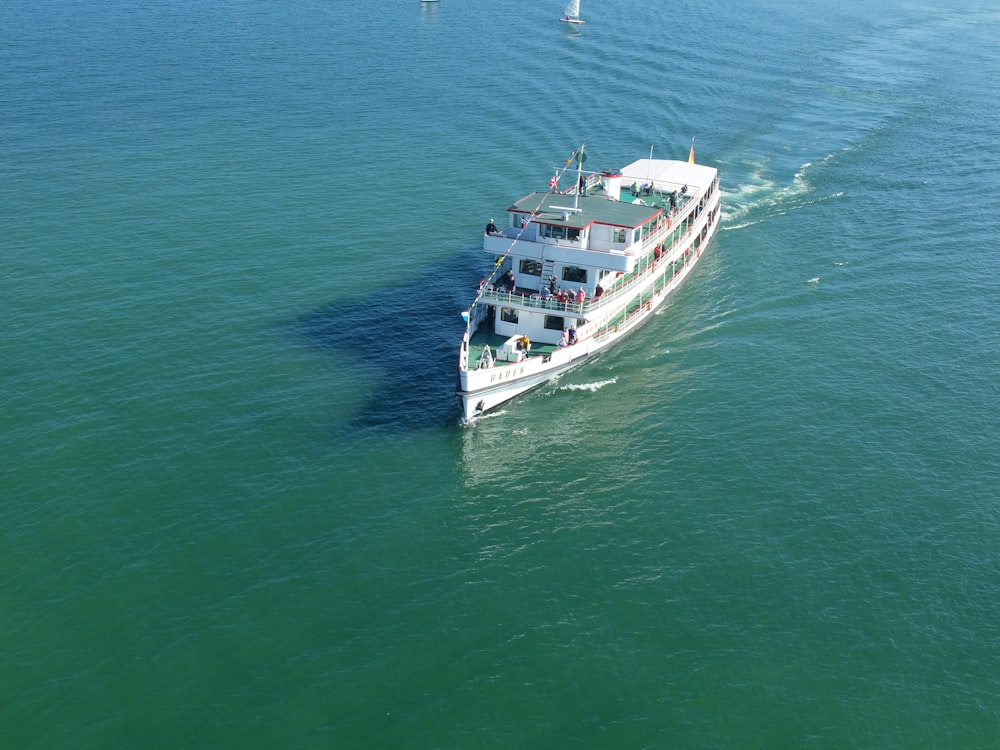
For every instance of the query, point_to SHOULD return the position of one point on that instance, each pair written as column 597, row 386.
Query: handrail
column 678, row 214
column 672, row 255
column 534, row 300
column 564, row 244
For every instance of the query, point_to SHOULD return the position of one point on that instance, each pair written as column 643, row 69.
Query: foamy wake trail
column 595, row 386
column 758, row 197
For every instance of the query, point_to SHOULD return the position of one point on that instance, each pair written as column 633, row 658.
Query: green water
column 239, row 510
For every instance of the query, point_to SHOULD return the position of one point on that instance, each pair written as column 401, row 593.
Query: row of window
column 559, row 233
column 552, row 322
column 575, row 275
column 572, row 274
column 572, row 234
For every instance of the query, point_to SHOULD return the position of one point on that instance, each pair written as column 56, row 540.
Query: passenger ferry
column 578, row 269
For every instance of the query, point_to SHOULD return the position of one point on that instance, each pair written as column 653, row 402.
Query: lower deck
column 485, row 336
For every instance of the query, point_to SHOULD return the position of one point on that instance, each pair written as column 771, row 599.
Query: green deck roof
column 594, row 209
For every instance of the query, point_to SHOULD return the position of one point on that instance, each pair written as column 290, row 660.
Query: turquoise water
column 238, row 506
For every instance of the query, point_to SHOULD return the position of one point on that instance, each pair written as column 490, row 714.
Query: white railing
column 673, row 254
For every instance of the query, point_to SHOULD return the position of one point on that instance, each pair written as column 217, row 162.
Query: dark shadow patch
column 409, row 336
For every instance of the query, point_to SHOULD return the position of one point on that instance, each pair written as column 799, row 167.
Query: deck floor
column 484, row 338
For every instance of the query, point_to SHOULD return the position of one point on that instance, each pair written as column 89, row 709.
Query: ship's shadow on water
column 408, row 338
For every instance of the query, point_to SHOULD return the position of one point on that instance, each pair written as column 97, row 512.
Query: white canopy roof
column 668, row 174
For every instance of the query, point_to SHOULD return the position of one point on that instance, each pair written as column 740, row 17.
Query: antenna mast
column 579, row 175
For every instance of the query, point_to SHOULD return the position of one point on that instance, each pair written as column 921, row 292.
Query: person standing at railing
column 508, row 282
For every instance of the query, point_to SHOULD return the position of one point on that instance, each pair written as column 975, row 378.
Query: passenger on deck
column 491, row 228
column 546, row 294
column 572, row 336
column 552, row 284
column 486, row 358
column 598, row 291
column 581, row 294
column 564, row 339
column 508, row 282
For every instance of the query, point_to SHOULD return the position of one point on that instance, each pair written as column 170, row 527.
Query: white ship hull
column 666, row 244
column 483, row 390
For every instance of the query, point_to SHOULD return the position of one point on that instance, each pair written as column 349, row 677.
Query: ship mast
column 580, row 156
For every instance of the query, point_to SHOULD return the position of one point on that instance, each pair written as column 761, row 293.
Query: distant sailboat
column 572, row 12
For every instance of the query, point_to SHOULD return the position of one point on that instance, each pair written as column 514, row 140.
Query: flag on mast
column 691, row 154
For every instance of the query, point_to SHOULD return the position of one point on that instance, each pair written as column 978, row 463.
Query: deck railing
column 533, row 300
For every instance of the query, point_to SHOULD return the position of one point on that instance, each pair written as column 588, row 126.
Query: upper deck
column 667, row 175
column 628, row 198
column 605, row 222
column 557, row 209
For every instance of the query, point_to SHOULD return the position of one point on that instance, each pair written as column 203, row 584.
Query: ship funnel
column 611, row 185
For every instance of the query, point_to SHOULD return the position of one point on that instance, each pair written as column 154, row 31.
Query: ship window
column 531, row 267
column 553, row 232
column 575, row 275
column 573, row 235
column 554, row 322
column 508, row 314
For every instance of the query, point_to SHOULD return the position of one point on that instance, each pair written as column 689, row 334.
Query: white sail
column 573, row 9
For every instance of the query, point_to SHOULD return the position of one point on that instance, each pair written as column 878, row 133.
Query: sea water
column 239, row 509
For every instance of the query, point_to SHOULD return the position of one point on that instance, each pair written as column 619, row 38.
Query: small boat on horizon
column 572, row 13
column 576, row 270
